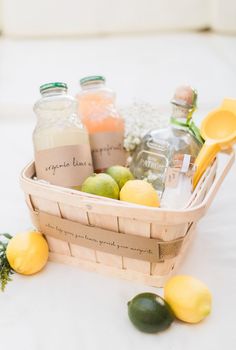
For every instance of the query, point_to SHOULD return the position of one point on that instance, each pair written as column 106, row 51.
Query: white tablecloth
column 64, row 307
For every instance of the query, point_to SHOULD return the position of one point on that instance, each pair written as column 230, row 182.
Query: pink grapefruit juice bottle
column 96, row 107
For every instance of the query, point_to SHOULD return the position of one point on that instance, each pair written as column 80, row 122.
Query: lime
column 101, row 185
column 150, row 313
column 120, row 174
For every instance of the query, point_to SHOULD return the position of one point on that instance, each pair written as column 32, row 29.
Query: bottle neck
column 96, row 95
column 57, row 91
column 93, row 85
column 181, row 116
column 55, row 104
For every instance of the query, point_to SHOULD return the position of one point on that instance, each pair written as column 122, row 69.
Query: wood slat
column 108, row 222
column 77, row 214
column 55, row 245
column 140, row 228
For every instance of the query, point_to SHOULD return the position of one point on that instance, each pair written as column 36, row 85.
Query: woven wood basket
column 121, row 239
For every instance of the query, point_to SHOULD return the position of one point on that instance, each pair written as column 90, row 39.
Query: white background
column 64, row 307
column 32, row 18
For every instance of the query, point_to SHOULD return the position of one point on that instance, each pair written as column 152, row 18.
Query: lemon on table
column 139, row 192
column 188, row 297
column 120, row 174
column 27, row 252
column 101, row 185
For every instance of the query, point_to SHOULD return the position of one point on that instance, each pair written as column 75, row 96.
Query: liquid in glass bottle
column 61, row 142
column 97, row 109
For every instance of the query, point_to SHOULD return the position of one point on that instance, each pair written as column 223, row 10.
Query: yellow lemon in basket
column 139, row 192
column 101, row 185
column 188, row 297
column 27, row 252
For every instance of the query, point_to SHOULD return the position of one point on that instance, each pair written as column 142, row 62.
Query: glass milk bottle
column 61, row 143
column 165, row 156
column 96, row 107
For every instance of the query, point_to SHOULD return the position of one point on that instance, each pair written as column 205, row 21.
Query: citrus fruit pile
column 185, row 298
column 119, row 183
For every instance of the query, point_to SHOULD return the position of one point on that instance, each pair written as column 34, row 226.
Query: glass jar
column 61, row 142
column 96, row 107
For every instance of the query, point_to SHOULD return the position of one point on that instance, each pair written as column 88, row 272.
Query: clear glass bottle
column 61, row 142
column 165, row 154
column 96, row 107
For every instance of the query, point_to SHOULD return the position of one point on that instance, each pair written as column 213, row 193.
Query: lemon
column 101, row 185
column 120, row 174
column 188, row 297
column 139, row 192
column 27, row 252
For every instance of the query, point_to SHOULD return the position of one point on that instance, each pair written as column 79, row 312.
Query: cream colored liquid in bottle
column 61, row 142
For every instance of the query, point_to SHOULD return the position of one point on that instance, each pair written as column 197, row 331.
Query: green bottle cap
column 48, row 86
column 92, row 79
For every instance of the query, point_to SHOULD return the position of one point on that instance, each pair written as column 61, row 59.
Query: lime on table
column 150, row 313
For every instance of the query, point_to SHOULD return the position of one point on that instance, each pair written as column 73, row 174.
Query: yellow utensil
column 219, row 131
column 229, row 104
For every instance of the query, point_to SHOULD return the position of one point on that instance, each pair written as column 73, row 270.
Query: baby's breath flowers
column 140, row 117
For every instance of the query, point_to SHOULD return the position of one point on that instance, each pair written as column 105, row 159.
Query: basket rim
column 93, row 202
column 90, row 197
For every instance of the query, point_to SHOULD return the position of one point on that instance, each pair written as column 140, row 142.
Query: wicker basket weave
column 168, row 232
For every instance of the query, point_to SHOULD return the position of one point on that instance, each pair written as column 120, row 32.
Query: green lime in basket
column 120, row 174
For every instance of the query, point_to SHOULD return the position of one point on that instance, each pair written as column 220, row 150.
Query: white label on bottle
column 66, row 166
column 107, row 149
column 172, row 177
column 186, row 163
column 182, row 163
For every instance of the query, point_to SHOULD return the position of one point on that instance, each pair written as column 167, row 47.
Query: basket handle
column 218, row 181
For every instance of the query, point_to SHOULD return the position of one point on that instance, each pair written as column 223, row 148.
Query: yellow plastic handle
column 204, row 159
column 229, row 104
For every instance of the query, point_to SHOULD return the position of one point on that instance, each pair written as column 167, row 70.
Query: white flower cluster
column 140, row 117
